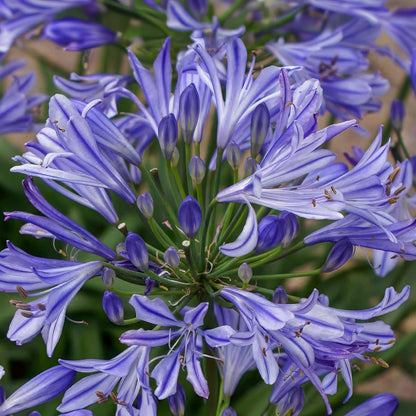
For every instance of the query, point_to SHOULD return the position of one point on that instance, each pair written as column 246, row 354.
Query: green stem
column 137, row 277
column 287, row 275
column 160, row 235
column 141, row 13
column 265, row 29
column 238, row 4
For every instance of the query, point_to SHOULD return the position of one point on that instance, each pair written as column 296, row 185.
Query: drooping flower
column 17, row 105
column 128, row 371
column 186, row 351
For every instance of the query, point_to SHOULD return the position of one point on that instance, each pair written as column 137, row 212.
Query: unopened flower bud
column 113, row 307
column 270, row 233
column 197, row 169
column 177, row 402
column 190, row 216
column 175, row 158
column 108, row 276
column 234, row 155
column 340, row 253
column 171, row 257
column 245, row 273
column 168, row 135
column 188, row 112
column 229, row 411
column 260, row 122
column 290, row 227
column 280, row 295
column 250, row 166
column 145, row 205
column 137, row 251
column 397, row 114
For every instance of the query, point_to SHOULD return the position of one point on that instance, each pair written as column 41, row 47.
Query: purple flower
column 104, row 87
column 77, row 35
column 128, row 371
column 39, row 389
column 21, row 16
column 315, row 338
column 380, row 405
column 77, row 147
column 16, row 104
column 186, row 351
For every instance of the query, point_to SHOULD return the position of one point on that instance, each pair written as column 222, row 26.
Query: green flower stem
column 287, row 275
column 156, row 194
column 187, row 160
column 237, row 5
column 140, row 13
column 130, row 321
column 179, row 182
column 190, row 253
column 204, row 232
column 265, row 29
column 224, row 269
column 136, row 277
column 171, row 182
column 160, row 235
column 236, row 221
column 402, row 145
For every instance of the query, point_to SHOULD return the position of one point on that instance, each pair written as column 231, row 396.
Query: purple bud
column 271, row 233
column 177, row 402
column 135, row 174
column 190, row 216
column 234, row 155
column 188, row 112
column 108, row 276
column 280, row 295
column 245, row 273
column 250, row 166
column 340, row 253
column 292, row 402
column 197, row 169
column 77, row 35
column 171, row 257
column 260, row 122
column 397, row 113
column 145, row 205
column 113, row 307
column 229, row 411
column 197, row 7
column 168, row 135
column 290, row 226
column 137, row 251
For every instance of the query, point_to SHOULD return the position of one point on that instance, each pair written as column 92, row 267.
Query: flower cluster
column 210, row 180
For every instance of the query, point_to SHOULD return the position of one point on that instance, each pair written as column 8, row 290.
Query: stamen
column 22, row 292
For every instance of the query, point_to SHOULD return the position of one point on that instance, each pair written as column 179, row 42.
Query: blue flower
column 17, row 105
column 379, row 405
column 315, row 338
column 186, row 351
column 77, row 35
column 128, row 371
column 39, row 389
column 18, row 17
column 104, row 87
